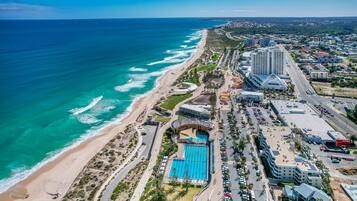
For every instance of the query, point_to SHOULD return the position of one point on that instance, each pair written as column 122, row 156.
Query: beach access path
column 142, row 154
column 157, row 144
column 156, row 147
column 122, row 166
column 57, row 175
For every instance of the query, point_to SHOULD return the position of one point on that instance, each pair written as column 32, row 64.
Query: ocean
column 62, row 80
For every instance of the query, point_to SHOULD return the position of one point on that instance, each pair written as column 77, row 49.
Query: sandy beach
column 58, row 175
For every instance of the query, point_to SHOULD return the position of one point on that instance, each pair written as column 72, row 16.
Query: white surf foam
column 22, row 173
column 130, row 85
column 194, row 37
column 135, row 69
column 178, row 56
column 77, row 111
column 88, row 119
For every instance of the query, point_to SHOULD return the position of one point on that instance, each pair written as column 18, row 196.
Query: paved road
column 156, row 148
column 143, row 154
column 303, row 86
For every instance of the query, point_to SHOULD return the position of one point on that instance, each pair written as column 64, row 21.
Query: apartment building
column 277, row 148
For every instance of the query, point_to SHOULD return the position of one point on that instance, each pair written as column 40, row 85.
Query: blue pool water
column 195, row 164
column 200, row 138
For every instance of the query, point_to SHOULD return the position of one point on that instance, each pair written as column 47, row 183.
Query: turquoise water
column 200, row 138
column 62, row 80
column 194, row 165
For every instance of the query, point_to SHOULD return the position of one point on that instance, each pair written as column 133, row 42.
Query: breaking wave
column 77, row 111
column 135, row 69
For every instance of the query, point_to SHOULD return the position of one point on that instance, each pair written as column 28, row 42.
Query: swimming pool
column 200, row 138
column 194, row 165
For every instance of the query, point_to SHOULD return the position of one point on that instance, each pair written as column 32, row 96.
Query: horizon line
column 112, row 18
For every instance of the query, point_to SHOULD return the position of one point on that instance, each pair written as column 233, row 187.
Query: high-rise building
column 268, row 61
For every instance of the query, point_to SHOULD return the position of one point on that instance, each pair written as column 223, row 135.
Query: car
column 228, row 195
column 252, row 195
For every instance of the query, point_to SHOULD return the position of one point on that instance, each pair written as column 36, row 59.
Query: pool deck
column 180, row 155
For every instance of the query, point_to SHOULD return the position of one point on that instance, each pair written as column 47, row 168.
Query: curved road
column 303, row 86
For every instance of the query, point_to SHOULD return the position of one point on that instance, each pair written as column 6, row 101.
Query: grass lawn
column 177, row 193
column 162, row 119
column 325, row 89
column 209, row 67
column 171, row 102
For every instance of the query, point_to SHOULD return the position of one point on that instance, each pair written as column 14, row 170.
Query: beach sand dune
column 54, row 178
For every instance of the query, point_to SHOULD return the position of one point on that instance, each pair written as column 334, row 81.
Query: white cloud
column 22, row 7
column 244, row 11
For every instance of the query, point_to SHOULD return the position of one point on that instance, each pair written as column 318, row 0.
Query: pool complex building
column 195, row 162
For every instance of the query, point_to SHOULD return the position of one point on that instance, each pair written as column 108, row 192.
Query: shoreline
column 50, row 177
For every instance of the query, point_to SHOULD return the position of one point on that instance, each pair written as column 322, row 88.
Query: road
column 156, row 148
column 303, row 87
column 142, row 154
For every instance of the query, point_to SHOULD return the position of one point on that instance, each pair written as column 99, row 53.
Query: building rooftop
column 198, row 108
column 351, row 190
column 282, row 148
column 252, row 93
column 309, row 192
column 299, row 115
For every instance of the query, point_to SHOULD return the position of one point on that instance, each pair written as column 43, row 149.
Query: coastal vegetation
column 218, row 41
column 171, row 101
column 154, row 191
column 191, row 76
column 205, row 68
column 126, row 187
column 102, row 165
column 162, row 119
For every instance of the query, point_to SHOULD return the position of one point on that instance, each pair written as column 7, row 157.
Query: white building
column 268, row 82
column 251, row 96
column 267, row 61
column 197, row 111
column 301, row 116
column 318, row 72
column 284, row 164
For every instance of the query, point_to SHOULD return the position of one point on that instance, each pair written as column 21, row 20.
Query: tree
column 353, row 138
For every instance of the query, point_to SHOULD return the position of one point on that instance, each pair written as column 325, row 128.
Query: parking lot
column 326, row 157
column 243, row 175
column 230, row 175
column 254, row 169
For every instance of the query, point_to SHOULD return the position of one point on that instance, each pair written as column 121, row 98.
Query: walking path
column 156, row 149
column 127, row 160
column 142, row 154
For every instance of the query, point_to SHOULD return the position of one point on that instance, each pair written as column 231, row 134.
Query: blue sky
column 174, row 8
